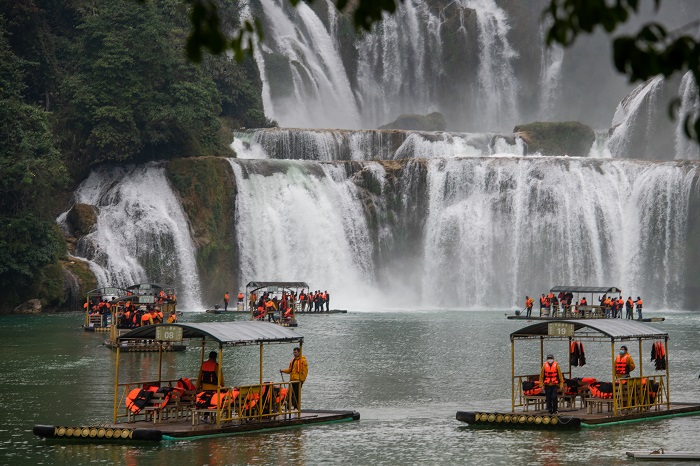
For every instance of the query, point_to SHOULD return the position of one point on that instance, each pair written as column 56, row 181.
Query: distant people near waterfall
column 240, row 296
column 327, row 300
column 226, row 300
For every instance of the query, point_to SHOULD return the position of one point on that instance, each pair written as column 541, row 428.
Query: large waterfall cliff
column 395, row 219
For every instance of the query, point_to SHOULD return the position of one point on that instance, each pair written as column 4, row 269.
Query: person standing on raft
column 551, row 378
column 298, row 370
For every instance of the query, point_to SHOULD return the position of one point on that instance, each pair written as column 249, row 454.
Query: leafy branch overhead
column 650, row 52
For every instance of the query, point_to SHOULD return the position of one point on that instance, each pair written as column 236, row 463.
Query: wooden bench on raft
column 590, row 402
column 540, row 402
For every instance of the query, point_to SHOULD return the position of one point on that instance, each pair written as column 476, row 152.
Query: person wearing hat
column 208, row 378
column 551, row 379
column 624, row 364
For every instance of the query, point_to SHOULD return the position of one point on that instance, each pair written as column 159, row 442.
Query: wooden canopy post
column 668, row 385
column 261, row 363
column 614, row 379
column 512, row 374
column 116, row 387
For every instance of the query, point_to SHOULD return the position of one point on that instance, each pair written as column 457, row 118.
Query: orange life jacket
column 209, row 372
column 551, row 375
column 639, row 303
column 240, row 295
column 621, row 364
column 583, row 302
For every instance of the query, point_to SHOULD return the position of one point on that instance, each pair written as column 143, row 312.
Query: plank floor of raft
column 183, row 427
column 606, row 417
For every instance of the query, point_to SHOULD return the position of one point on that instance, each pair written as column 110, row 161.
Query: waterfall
column 428, row 56
column 509, row 227
column 302, row 221
column 142, row 234
column 550, row 74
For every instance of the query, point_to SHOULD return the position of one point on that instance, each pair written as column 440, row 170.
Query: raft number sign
column 560, row 329
column 169, row 333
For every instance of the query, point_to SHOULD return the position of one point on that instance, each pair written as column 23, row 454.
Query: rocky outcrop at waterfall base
column 81, row 219
column 33, row 306
column 431, row 122
column 557, row 138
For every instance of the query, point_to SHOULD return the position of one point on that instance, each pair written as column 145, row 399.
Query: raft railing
column 637, row 393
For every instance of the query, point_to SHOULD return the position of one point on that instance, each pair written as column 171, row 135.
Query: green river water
column 407, row 373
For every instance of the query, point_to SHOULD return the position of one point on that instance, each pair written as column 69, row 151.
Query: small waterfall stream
column 142, row 234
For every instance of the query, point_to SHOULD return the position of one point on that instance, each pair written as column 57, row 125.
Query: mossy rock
column 203, row 185
column 431, row 122
column 557, row 138
column 82, row 219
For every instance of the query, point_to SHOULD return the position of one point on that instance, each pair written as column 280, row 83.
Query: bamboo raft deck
column 590, row 414
column 184, row 428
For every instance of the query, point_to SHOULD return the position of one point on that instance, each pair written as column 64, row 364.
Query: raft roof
column 238, row 333
column 585, row 289
column 277, row 284
column 616, row 329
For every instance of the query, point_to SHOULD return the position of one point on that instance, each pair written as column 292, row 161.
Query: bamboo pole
column 116, row 387
column 614, row 380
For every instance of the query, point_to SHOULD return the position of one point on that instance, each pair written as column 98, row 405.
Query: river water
column 407, row 373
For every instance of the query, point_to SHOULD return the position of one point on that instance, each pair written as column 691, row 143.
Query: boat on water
column 572, row 309
column 168, row 408
column 97, row 306
column 590, row 399
column 284, row 298
column 145, row 304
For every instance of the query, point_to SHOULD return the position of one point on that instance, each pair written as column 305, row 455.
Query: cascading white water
column 321, row 93
column 498, row 87
column 634, row 117
column 329, row 145
column 687, row 149
column 302, row 221
column 550, row 74
column 141, row 235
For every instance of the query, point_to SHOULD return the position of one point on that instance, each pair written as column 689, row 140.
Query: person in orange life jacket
column 208, row 378
column 226, row 299
column 172, row 318
column 551, row 378
column 298, row 370
column 629, row 306
column 528, row 305
column 639, row 308
column 543, row 303
column 328, row 301
column 624, row 364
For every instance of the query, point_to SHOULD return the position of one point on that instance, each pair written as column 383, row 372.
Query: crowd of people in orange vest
column 131, row 316
column 611, row 307
column 288, row 303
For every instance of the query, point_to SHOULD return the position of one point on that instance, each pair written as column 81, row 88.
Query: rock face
column 81, row 219
column 431, row 122
column 557, row 138
column 33, row 306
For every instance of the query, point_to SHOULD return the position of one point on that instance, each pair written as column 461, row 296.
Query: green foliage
column 133, row 96
column 650, row 52
column 27, row 244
